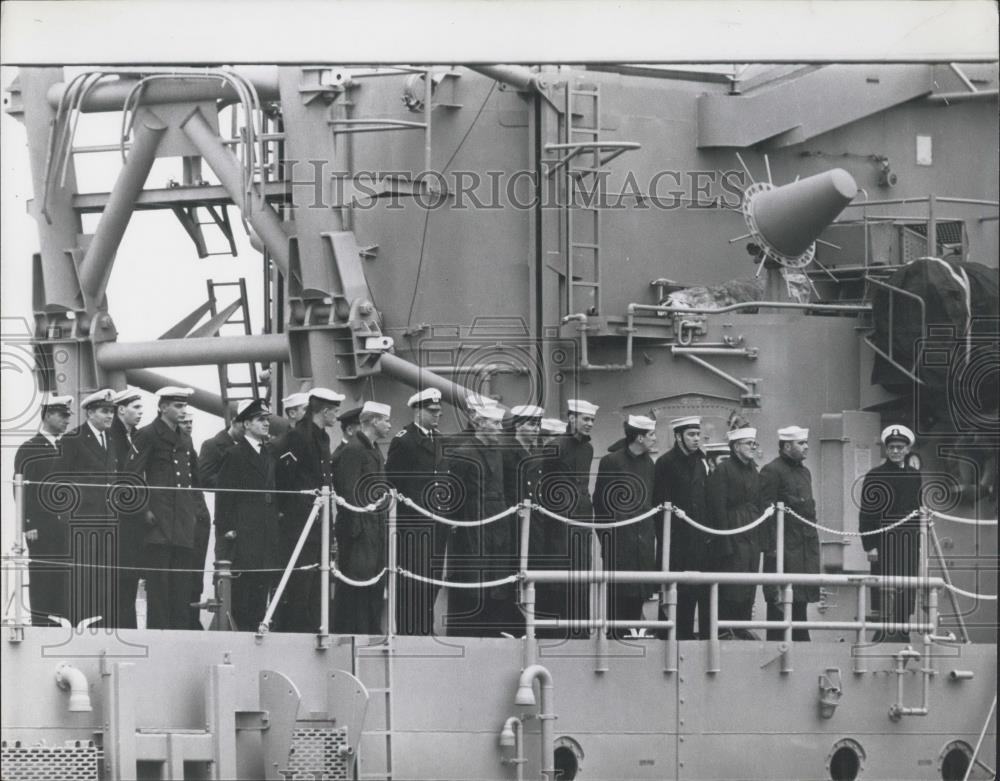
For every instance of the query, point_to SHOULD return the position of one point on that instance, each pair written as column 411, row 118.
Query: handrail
column 923, row 326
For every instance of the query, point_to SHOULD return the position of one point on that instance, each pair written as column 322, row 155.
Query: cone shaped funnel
column 791, row 217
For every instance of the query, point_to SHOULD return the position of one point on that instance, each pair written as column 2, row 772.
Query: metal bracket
column 830, row 692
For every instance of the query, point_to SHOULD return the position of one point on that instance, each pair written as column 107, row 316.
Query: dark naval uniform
column 361, row 538
column 35, row 460
column 210, row 458
column 91, row 523
column 624, row 489
column 788, row 481
column 416, row 468
column 253, row 517
column 131, row 529
column 733, row 495
column 303, row 464
column 482, row 553
column 166, row 457
column 680, row 479
column 565, row 490
column 888, row 494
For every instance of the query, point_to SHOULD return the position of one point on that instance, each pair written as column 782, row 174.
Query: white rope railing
column 449, row 521
column 970, row 594
column 847, row 533
column 385, row 499
column 591, row 525
column 966, row 521
column 725, row 532
column 459, row 584
column 358, row 583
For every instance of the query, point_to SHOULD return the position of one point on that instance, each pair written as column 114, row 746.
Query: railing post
column 323, row 638
column 20, row 546
column 861, row 639
column 224, row 596
column 668, row 592
column 780, row 563
column 920, row 600
column 391, row 558
column 524, row 525
column 786, row 611
column 713, row 628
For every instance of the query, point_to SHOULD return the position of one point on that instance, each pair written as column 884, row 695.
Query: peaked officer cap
column 896, row 431
column 691, row 421
column 792, row 434
column 641, row 422
column 350, row 417
column 424, row 398
column 377, row 407
column 293, row 400
column 51, row 401
column 248, row 409
column 126, row 396
column 741, row 433
column 581, row 407
column 101, row 398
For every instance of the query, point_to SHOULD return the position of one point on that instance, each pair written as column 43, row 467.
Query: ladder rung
column 592, row 92
column 585, row 284
column 583, row 245
column 377, row 732
column 239, row 385
column 574, row 129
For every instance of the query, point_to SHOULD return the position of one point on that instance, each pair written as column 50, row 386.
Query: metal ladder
column 226, row 383
column 375, row 747
column 583, row 257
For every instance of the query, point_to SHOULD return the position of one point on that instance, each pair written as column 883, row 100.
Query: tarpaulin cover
column 957, row 350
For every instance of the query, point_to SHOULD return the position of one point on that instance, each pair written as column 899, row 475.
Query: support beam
column 420, row 379
column 263, row 218
column 152, row 382
column 205, row 351
column 95, row 268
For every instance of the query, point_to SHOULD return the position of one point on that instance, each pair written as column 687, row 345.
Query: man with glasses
column 890, row 492
column 787, row 479
column 734, row 500
column 415, row 466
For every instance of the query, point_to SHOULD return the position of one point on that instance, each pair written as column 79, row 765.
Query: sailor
column 87, row 456
column 304, row 464
column 482, row 553
column 295, row 407
column 565, row 490
column 46, row 534
column 624, row 489
column 416, row 467
column 247, row 518
column 551, row 427
column 680, row 479
column 787, row 479
column 523, row 465
column 350, row 422
column 210, row 457
column 128, row 415
column 165, row 456
column 890, row 492
column 362, row 535
column 733, row 496
column 202, row 532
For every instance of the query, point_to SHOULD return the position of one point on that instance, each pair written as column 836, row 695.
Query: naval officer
column 128, row 415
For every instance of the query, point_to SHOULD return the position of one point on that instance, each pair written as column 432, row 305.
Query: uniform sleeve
column 601, row 487
column 225, row 501
column 138, row 458
column 869, row 519
column 769, row 489
column 661, row 486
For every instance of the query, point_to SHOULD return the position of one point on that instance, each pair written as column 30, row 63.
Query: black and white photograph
column 456, row 390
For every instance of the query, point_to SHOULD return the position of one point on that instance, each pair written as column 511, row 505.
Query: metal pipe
column 262, row 348
column 715, row 370
column 324, row 570
column 525, row 696
column 979, row 741
column 737, row 351
column 71, row 678
column 224, row 596
column 729, row 578
column 932, row 242
column 265, row 624
column 584, row 362
column 95, row 268
column 17, row 630
column 961, row 97
column 668, row 593
column 961, row 675
column 530, row 642
column 512, row 735
column 517, row 76
column 391, row 558
column 591, row 623
column 152, row 382
column 858, row 664
column 419, row 378
column 263, row 218
column 786, row 612
column 713, row 629
column 665, row 309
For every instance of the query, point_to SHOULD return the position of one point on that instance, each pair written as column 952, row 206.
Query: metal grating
column 319, row 750
column 77, row 760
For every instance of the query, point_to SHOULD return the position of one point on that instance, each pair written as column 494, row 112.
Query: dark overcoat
column 253, row 516
column 733, row 497
column 784, row 480
column 889, row 493
column 361, row 536
column 680, row 479
column 35, row 460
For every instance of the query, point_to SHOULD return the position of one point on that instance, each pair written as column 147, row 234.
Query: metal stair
column 373, row 666
column 239, row 316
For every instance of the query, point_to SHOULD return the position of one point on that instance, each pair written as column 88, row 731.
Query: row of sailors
column 503, row 458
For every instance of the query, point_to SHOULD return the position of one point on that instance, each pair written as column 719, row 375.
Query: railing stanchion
column 391, row 574
column 668, row 592
column 713, row 628
column 20, row 547
column 858, row 660
column 323, row 638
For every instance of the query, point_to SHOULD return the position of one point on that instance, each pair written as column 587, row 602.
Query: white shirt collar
column 256, row 444
column 425, row 431
column 97, row 432
column 53, row 438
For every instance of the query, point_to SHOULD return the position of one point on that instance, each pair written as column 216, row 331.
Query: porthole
column 845, row 761
column 954, row 760
column 568, row 758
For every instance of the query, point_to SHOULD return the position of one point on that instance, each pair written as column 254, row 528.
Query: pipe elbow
column 579, row 317
column 71, row 678
column 525, row 694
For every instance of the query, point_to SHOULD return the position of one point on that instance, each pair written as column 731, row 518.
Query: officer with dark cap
column 680, row 478
column 165, row 456
column 350, row 422
column 87, row 456
column 890, row 492
column 202, row 532
column 304, row 464
column 46, row 534
column 416, row 468
column 247, row 519
column 128, row 414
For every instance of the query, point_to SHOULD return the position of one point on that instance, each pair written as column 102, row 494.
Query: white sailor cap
column 424, row 398
column 691, row 421
column 248, row 409
column 581, row 407
column 173, row 393
column 527, row 411
column 495, row 413
column 293, row 400
column 897, row 431
column 741, row 433
column 553, row 426
column 126, row 396
column 477, row 401
column 641, row 422
column 792, row 434
column 102, row 398
column 51, row 400
column 377, row 407
column 327, row 395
